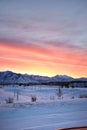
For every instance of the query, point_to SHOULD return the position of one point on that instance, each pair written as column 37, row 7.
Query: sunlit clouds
column 45, row 38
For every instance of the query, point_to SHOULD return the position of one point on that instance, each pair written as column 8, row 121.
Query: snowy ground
column 43, row 94
column 48, row 113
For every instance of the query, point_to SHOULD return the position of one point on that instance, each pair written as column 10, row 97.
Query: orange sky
column 46, row 37
column 43, row 61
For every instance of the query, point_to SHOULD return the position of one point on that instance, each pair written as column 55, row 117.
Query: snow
column 44, row 94
column 44, row 116
column 11, row 77
column 62, row 78
column 49, row 112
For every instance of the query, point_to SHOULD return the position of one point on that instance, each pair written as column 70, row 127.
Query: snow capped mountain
column 26, row 79
column 8, row 77
column 62, row 78
column 40, row 79
column 11, row 77
column 81, row 79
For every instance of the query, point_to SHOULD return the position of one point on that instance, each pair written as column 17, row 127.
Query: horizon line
column 41, row 75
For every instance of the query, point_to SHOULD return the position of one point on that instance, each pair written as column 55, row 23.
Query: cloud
column 42, row 34
column 39, row 59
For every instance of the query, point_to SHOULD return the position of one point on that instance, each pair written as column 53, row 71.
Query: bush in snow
column 72, row 97
column 83, row 96
column 33, row 98
column 9, row 100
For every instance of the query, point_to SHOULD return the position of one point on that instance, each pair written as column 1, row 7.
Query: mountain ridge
column 12, row 77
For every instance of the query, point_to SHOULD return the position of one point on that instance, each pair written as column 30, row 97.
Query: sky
column 44, row 37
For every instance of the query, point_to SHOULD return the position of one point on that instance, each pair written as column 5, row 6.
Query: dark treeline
column 62, row 84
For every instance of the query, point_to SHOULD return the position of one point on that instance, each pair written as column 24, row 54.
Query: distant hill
column 11, row 77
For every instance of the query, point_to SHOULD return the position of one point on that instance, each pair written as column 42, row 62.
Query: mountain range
column 11, row 77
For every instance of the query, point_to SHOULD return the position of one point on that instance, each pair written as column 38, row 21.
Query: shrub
column 83, row 96
column 72, row 97
column 33, row 98
column 9, row 100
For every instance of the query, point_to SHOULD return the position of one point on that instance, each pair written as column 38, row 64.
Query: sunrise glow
column 44, row 38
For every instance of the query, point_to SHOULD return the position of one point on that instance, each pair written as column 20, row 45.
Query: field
column 49, row 112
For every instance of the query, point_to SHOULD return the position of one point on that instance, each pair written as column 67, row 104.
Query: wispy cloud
column 47, row 35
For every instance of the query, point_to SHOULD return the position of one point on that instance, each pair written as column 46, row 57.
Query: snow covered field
column 49, row 112
column 43, row 94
